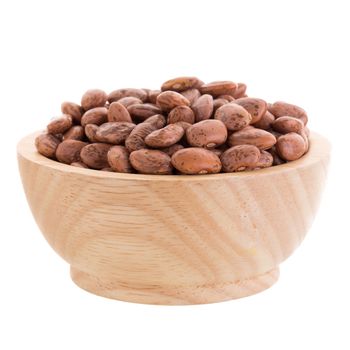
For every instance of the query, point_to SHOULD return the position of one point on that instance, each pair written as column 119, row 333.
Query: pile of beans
column 186, row 127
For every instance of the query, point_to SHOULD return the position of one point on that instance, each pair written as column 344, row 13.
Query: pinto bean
column 136, row 139
column 117, row 112
column 290, row 146
column 69, row 151
column 94, row 155
column 203, row 107
column 207, row 133
column 96, row 116
column 192, row 95
column 255, row 106
column 76, row 132
column 217, row 88
column 283, row 109
column 93, row 98
column 59, row 125
column 157, row 120
column 114, row 132
column 149, row 161
column 284, row 125
column 143, row 110
column 165, row 137
column 72, row 109
column 46, row 144
column 265, row 121
column 116, row 95
column 241, row 157
column 118, row 159
column 195, row 160
column 181, row 114
column 168, row 100
column 181, row 84
column 252, row 136
column 234, row 116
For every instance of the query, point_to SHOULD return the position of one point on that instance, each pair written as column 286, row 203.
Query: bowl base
column 203, row 294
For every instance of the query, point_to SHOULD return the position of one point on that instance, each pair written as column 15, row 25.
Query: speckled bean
column 195, row 160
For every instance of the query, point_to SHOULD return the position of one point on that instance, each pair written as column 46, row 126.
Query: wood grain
column 174, row 239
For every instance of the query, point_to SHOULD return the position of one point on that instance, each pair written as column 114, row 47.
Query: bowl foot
column 203, row 294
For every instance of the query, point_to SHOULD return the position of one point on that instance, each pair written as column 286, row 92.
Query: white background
column 296, row 51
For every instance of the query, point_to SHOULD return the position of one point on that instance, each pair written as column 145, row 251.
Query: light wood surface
column 174, row 239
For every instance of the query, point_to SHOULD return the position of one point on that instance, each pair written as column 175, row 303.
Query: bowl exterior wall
column 144, row 232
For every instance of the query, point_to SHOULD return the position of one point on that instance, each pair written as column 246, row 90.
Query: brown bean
column 60, row 124
column 69, row 151
column 147, row 91
column 240, row 90
column 255, row 106
column 181, row 84
column 118, row 113
column 218, row 102
column 118, row 159
column 238, row 158
column 284, row 125
column 207, row 133
column 290, row 146
column 157, row 120
column 46, row 144
column 184, row 125
column 195, row 160
column 128, row 101
column 227, row 97
column 165, row 137
column 217, row 88
column 90, row 132
column 277, row 160
column 192, row 95
column 265, row 160
column 72, row 109
column 168, row 100
column 252, row 136
column 172, row 149
column 234, row 116
column 93, row 98
column 149, row 161
column 96, row 116
column 94, row 155
column 304, row 135
column 181, row 114
column 114, row 132
column 203, row 107
column 76, row 132
column 79, row 165
column 129, row 92
column 136, row 139
column 143, row 110
column 283, row 109
column 265, row 121
column 152, row 96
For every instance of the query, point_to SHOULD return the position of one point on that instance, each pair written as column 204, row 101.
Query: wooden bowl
column 171, row 239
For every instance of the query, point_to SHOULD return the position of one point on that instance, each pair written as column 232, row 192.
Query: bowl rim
column 319, row 148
